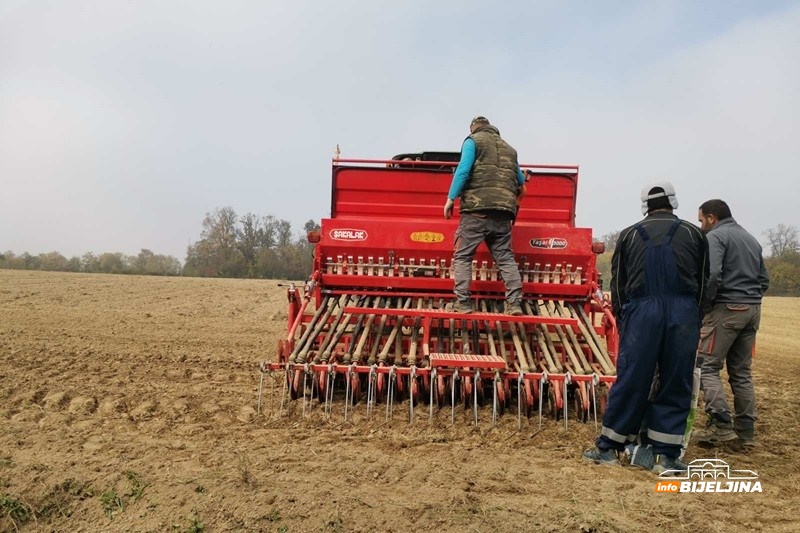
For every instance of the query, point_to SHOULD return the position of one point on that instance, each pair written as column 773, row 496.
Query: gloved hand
column 448, row 208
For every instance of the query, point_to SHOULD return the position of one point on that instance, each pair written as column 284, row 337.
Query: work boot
column 640, row 455
column 716, row 434
column 602, row 457
column 746, row 439
column 464, row 307
column 513, row 308
column 671, row 465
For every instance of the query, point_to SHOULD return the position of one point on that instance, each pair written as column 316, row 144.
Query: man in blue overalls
column 659, row 273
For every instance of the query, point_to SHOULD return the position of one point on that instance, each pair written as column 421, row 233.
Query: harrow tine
column 542, row 381
column 371, row 390
column 314, row 384
column 494, row 397
column 434, row 383
column 285, row 391
column 567, row 379
column 331, row 381
column 475, row 396
column 305, row 381
column 260, row 390
column 519, row 400
column 594, row 400
column 272, row 397
column 453, row 398
column 412, row 381
column 347, row 393
column 390, row 394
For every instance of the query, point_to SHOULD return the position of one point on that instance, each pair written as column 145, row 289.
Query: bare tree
column 782, row 238
column 610, row 239
column 219, row 228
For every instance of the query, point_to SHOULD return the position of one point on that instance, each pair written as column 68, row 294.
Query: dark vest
column 492, row 183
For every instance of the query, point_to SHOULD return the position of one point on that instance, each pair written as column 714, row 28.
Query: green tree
column 74, row 264
column 111, row 263
column 53, row 261
column 89, row 262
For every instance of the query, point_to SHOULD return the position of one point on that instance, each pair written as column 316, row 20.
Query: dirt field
column 128, row 404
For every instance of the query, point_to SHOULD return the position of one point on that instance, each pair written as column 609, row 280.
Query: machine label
column 550, row 243
column 427, row 236
column 348, row 234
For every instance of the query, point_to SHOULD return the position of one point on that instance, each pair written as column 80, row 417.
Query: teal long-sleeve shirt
column 465, row 166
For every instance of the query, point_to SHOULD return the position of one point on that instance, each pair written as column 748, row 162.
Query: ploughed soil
column 129, row 404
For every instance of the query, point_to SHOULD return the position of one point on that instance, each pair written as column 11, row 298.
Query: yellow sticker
column 427, row 236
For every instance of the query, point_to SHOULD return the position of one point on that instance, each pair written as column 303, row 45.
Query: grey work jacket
column 737, row 271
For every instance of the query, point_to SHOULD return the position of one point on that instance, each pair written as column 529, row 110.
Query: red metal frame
column 387, row 236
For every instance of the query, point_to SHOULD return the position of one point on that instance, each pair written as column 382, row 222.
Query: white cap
column 669, row 192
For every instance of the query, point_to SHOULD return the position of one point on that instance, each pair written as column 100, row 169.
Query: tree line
column 253, row 246
column 782, row 259
column 248, row 246
column 146, row 263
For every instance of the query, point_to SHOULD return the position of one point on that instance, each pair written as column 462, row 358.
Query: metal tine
column 285, row 391
column 519, row 399
column 371, row 389
column 314, row 384
column 433, row 383
column 542, row 381
column 260, row 390
column 272, row 397
column 453, row 398
column 411, row 382
column 594, row 400
column 494, row 397
column 305, row 381
column 347, row 393
column 475, row 380
column 567, row 380
column 390, row 394
column 331, row 381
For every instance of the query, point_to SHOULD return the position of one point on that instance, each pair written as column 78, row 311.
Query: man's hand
column 448, row 208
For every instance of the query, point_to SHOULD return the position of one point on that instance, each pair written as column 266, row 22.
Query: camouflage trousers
column 495, row 231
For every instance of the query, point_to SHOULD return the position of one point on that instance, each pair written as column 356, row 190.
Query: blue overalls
column 660, row 329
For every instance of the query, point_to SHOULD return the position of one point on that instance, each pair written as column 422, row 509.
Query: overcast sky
column 123, row 122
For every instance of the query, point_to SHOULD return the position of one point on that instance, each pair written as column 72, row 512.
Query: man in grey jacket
column 732, row 303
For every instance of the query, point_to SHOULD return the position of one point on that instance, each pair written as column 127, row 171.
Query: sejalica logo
column 347, row 234
column 549, row 243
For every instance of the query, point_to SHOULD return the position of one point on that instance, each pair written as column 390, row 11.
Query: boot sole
column 707, row 443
